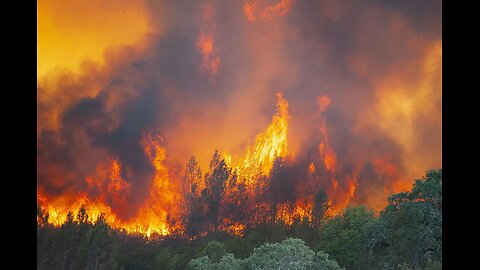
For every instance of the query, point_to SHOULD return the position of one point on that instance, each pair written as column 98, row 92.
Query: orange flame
column 206, row 41
column 269, row 145
column 268, row 12
column 158, row 213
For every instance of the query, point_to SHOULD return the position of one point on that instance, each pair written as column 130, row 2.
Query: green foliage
column 291, row 253
column 202, row 263
column 433, row 265
column 341, row 237
column 243, row 247
column 77, row 244
column 227, row 262
column 214, row 250
column 411, row 225
column 321, row 261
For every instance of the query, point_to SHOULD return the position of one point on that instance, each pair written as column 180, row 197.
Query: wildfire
column 311, row 168
column 163, row 211
column 299, row 211
column 206, row 41
column 157, row 215
column 59, row 208
column 269, row 145
column 256, row 9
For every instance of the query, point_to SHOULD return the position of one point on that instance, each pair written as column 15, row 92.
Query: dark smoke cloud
column 320, row 47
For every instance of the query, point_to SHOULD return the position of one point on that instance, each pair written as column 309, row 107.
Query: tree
column 341, row 237
column 320, row 207
column 322, row 262
column 193, row 187
column 291, row 253
column 413, row 224
column 214, row 250
column 215, row 181
column 82, row 215
column 192, row 178
column 42, row 217
column 227, row 262
column 102, row 248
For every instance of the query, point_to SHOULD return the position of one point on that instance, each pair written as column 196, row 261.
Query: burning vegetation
column 231, row 195
column 127, row 127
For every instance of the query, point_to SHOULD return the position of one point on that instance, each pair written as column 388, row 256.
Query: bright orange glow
column 206, row 41
column 402, row 101
column 288, row 214
column 338, row 196
column 264, row 12
column 205, row 44
column 152, row 216
column 330, row 160
column 163, row 195
column 234, row 228
column 311, row 167
column 248, row 9
column 165, row 199
column 269, row 145
column 117, row 186
column 59, row 208
column 70, row 32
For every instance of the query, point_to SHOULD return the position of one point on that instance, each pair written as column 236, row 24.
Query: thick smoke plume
column 299, row 98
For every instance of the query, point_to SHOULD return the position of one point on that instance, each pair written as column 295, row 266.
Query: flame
column 117, row 186
column 206, row 41
column 269, row 145
column 280, row 9
column 59, row 207
column 160, row 206
column 301, row 210
column 338, row 196
column 161, row 211
column 311, row 168
column 155, row 216
column 234, row 228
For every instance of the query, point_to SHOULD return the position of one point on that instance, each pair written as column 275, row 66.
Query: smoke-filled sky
column 203, row 75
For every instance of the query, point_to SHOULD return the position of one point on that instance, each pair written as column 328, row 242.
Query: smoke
column 203, row 76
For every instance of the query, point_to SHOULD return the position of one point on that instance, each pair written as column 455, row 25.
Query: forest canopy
column 406, row 234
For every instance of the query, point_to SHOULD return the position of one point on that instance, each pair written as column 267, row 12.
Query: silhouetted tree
column 320, row 207
column 196, row 221
column 215, row 181
column 191, row 179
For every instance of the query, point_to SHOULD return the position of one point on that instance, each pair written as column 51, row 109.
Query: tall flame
column 269, row 145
